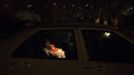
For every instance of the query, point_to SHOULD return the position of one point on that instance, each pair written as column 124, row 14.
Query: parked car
column 88, row 50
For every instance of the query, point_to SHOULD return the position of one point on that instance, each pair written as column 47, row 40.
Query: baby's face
column 51, row 46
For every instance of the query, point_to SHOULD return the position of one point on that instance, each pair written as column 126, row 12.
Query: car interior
column 32, row 48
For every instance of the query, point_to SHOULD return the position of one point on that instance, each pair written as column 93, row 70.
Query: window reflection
column 114, row 49
column 107, row 34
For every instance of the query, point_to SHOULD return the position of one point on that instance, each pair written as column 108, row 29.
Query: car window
column 49, row 44
column 107, row 46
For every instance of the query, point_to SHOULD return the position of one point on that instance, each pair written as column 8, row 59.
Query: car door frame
column 105, row 68
column 23, row 65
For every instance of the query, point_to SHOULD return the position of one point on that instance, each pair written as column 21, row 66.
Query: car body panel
column 106, row 67
column 35, row 66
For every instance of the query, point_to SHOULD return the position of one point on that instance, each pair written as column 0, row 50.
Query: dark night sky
column 38, row 3
column 8, row 6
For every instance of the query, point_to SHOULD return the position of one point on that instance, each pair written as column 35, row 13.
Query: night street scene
column 66, row 37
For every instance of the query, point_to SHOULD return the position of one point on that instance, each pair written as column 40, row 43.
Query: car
column 88, row 50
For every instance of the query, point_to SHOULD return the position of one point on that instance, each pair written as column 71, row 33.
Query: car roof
column 74, row 25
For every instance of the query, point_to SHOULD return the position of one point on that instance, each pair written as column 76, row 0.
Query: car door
column 108, row 53
column 28, row 57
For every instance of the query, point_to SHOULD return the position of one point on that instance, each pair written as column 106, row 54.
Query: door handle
column 100, row 68
column 89, row 67
column 96, row 68
column 20, row 64
column 25, row 64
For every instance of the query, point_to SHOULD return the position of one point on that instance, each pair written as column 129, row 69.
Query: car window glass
column 107, row 46
column 50, row 44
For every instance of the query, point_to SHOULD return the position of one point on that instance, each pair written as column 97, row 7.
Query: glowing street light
column 100, row 9
column 73, row 5
column 30, row 5
column 131, row 8
column 92, row 7
column 6, row 5
column 54, row 4
column 64, row 6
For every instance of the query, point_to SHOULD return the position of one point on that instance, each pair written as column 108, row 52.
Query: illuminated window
column 6, row 5
column 91, row 7
column 73, row 5
column 107, row 34
column 131, row 8
column 100, row 9
column 87, row 5
column 30, row 5
column 64, row 6
column 54, row 4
